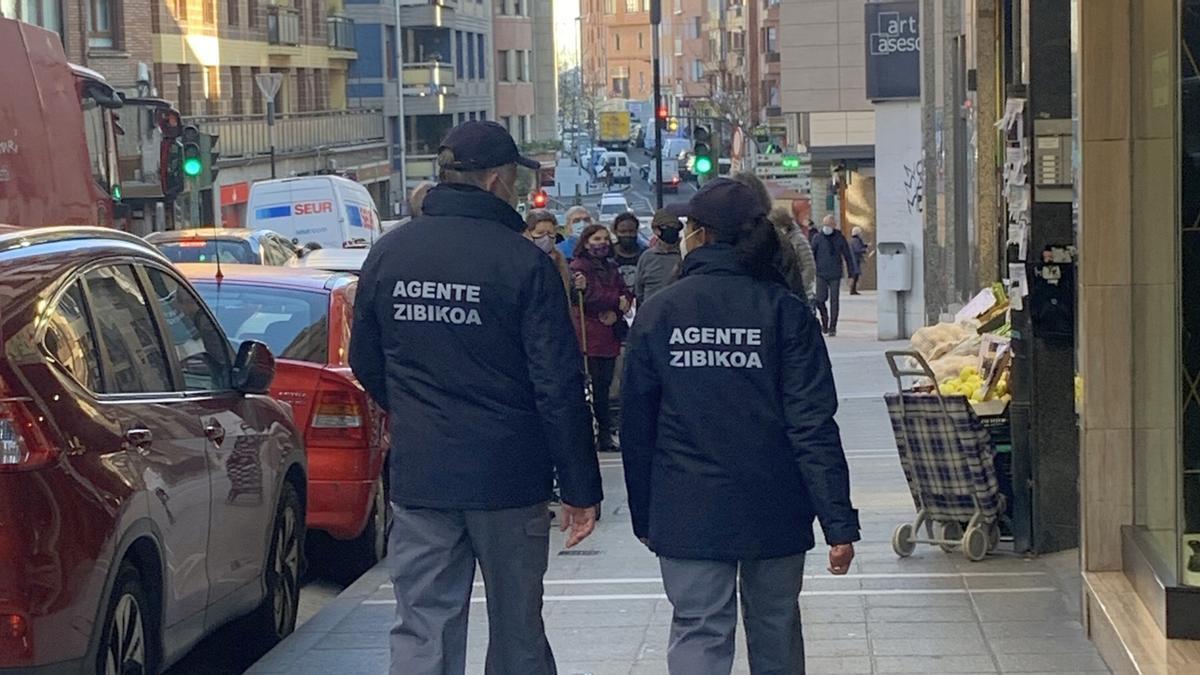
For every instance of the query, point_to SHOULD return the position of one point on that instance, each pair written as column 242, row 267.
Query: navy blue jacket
column 727, row 433
column 829, row 252
column 461, row 331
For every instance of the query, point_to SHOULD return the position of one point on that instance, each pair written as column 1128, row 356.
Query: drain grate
column 575, row 551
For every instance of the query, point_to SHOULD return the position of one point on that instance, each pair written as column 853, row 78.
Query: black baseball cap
column 483, row 144
column 722, row 203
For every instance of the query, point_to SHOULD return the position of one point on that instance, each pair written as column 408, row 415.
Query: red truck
column 73, row 150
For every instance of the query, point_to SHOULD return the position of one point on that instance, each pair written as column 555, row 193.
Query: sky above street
column 565, row 29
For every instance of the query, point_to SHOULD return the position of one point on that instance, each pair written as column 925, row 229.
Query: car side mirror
column 254, row 368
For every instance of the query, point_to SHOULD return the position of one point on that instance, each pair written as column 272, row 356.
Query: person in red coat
column 602, row 298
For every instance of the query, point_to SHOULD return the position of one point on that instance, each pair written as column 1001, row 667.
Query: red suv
column 150, row 490
column 304, row 316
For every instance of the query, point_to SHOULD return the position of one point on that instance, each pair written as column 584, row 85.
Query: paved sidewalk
column 931, row 613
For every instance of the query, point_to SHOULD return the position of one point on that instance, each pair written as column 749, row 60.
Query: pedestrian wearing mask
column 601, row 301
column 859, row 249
column 659, row 265
column 834, row 259
column 628, row 250
column 729, row 407
column 576, row 220
column 540, row 228
column 474, row 359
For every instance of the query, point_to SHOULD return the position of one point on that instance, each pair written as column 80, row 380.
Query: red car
column 150, row 490
column 304, row 316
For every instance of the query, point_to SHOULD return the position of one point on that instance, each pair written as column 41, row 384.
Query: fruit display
column 970, row 383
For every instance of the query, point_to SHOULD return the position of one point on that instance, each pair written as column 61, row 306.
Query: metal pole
column 271, row 133
column 659, row 124
column 194, row 202
column 401, row 141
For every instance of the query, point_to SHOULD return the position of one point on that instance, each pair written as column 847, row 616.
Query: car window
column 136, row 362
column 206, row 251
column 69, row 339
column 199, row 346
column 293, row 323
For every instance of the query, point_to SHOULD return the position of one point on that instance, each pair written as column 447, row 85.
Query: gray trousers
column 704, row 594
column 433, row 553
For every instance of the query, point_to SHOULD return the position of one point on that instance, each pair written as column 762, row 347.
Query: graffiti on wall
column 914, row 186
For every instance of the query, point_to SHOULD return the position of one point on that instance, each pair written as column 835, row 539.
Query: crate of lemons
column 971, row 384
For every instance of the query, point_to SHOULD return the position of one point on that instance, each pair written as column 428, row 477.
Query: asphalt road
column 640, row 194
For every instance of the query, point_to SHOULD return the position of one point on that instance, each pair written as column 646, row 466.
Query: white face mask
column 579, row 226
column 827, row 230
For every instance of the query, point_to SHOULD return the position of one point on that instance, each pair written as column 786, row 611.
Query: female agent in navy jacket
column 730, row 446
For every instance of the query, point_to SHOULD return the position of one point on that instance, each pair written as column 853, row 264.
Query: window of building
column 770, row 39
column 482, row 56
column 646, row 5
column 100, row 28
column 231, row 12
column 389, row 52
column 459, row 56
column 620, row 87
column 642, row 81
column 641, row 40
column 678, row 46
column 617, row 41
column 256, row 99
column 237, row 91
column 610, row 6
column 697, row 70
column 631, row 6
column 185, row 89
column 506, row 121
column 471, row 69
column 679, row 6
column 179, row 9
column 523, row 65
column 252, row 13
column 317, row 16
column 523, row 130
column 208, row 10
column 696, row 29
column 502, row 71
column 212, row 90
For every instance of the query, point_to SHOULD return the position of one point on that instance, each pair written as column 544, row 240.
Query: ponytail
column 756, row 248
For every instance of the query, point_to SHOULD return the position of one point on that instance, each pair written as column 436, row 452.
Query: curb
column 285, row 654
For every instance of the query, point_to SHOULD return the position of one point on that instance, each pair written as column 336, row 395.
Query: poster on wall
column 893, row 44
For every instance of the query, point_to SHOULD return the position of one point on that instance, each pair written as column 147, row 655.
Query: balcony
column 341, row 33
column 428, row 13
column 247, row 135
column 283, row 25
column 428, row 79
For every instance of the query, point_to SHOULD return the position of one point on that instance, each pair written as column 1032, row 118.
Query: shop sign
column 893, row 44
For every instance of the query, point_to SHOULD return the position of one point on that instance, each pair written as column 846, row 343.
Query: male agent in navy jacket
column 462, row 333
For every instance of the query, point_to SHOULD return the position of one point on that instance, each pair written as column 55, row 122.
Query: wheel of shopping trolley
column 950, row 530
column 975, row 543
column 902, row 540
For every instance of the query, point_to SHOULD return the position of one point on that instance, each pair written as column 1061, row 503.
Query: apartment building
column 770, row 70
column 685, row 38
column 617, row 49
column 525, row 77
column 444, row 63
column 204, row 56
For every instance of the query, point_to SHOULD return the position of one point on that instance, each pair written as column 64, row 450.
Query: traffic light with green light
column 193, row 163
column 702, row 151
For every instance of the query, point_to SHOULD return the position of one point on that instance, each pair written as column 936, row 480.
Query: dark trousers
column 432, row 554
column 602, row 369
column 829, row 290
column 854, row 283
column 705, row 595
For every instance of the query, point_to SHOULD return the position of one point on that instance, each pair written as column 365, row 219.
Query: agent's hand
column 840, row 557
column 580, row 281
column 580, row 520
column 624, row 304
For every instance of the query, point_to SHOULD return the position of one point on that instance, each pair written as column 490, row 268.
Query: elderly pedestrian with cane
column 475, row 360
column 729, row 441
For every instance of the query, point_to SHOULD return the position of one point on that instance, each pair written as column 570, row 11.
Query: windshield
column 293, row 323
column 205, row 251
column 613, row 208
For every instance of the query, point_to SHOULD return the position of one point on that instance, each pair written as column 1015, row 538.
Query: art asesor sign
column 893, row 37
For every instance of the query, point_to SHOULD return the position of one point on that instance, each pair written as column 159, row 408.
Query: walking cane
column 587, row 379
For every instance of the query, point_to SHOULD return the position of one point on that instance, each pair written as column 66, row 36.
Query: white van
column 618, row 164
column 328, row 210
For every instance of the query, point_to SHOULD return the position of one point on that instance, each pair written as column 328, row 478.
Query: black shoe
column 832, row 332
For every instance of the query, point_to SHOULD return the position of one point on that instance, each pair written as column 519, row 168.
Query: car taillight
column 23, row 446
column 14, row 638
column 339, row 415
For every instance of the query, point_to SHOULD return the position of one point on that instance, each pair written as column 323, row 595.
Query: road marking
column 620, row 581
column 803, row 594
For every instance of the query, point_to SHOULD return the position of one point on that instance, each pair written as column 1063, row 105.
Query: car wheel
column 361, row 553
column 126, row 645
column 275, row 618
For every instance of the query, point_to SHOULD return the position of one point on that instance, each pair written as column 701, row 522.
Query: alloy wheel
column 126, row 639
column 287, row 570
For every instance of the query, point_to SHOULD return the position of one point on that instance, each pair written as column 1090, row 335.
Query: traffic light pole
column 655, row 30
column 194, row 201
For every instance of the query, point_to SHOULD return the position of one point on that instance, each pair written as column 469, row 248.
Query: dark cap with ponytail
column 734, row 214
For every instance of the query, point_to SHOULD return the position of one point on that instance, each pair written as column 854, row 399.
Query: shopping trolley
column 948, row 460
